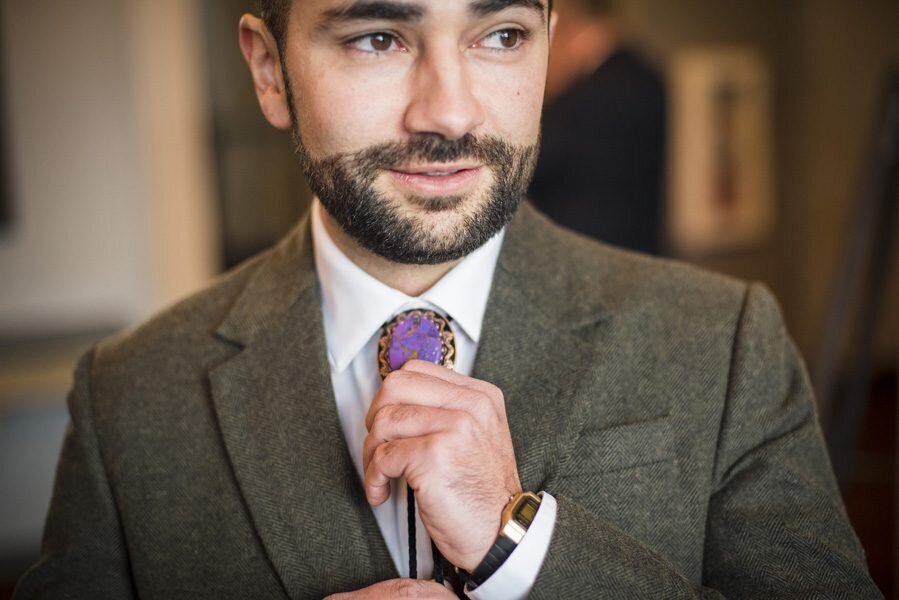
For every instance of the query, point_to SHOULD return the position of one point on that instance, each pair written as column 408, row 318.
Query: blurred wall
column 110, row 191
column 843, row 51
column 261, row 191
column 114, row 210
column 77, row 253
column 828, row 59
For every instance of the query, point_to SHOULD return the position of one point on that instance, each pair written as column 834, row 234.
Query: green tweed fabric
column 664, row 407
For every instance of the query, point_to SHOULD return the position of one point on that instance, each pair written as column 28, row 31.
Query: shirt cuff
column 515, row 577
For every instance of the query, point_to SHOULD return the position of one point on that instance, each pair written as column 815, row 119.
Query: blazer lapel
column 280, row 426
column 532, row 347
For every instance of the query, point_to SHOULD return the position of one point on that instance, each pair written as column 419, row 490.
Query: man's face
column 417, row 121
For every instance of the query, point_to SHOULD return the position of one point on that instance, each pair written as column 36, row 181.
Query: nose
column 443, row 101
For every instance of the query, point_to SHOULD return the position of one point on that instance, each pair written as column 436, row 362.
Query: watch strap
column 515, row 523
column 500, row 550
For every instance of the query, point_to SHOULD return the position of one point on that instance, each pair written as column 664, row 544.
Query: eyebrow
column 482, row 8
column 373, row 10
column 388, row 10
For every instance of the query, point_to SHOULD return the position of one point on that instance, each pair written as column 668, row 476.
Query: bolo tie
column 422, row 335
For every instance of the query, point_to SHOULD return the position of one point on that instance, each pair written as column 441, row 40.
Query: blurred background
column 757, row 138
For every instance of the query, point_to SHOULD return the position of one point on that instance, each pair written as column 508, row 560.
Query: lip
column 425, row 179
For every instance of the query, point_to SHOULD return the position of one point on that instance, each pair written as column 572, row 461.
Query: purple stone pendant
column 415, row 334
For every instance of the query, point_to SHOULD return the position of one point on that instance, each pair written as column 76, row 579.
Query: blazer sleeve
column 83, row 553
column 776, row 523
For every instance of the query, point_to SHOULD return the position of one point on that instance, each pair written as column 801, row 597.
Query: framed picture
column 720, row 194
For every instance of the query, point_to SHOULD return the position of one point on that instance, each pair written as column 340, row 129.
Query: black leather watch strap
column 495, row 558
column 517, row 517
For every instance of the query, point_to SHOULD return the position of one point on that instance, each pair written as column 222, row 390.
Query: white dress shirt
column 355, row 307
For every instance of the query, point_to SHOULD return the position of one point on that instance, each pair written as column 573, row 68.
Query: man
column 242, row 444
column 601, row 165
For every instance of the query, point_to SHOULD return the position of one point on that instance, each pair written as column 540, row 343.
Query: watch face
column 527, row 511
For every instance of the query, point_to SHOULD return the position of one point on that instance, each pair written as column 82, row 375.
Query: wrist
column 517, row 516
column 490, row 527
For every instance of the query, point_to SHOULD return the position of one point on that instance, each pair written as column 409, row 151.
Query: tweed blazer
column 664, row 407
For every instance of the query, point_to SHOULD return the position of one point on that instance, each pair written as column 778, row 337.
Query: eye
column 376, row 42
column 504, row 39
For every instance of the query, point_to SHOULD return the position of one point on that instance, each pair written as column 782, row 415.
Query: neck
column 412, row 280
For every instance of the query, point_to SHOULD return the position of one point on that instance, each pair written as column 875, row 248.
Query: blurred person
column 601, row 166
column 611, row 425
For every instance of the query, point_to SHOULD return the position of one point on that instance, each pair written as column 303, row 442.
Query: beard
column 345, row 185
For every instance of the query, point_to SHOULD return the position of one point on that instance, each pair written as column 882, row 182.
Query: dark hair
column 275, row 13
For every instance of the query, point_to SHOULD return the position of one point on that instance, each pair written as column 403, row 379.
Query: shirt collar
column 356, row 305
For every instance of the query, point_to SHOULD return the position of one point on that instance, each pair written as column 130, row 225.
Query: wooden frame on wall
column 721, row 186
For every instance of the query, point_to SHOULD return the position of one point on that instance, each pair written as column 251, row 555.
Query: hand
column 398, row 588
column 447, row 434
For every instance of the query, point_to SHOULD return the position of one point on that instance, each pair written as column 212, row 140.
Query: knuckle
column 479, row 407
column 483, row 387
column 393, row 379
column 382, row 452
column 407, row 588
column 400, row 412
column 434, row 445
column 458, row 420
column 376, row 426
column 370, row 447
column 493, row 397
column 466, row 424
column 413, row 365
column 492, row 394
column 492, row 390
column 380, row 420
column 389, row 417
column 483, row 411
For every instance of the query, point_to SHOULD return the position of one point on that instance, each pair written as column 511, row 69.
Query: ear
column 261, row 53
column 553, row 21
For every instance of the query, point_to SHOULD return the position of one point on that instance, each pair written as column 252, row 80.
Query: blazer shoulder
column 183, row 329
column 627, row 282
column 667, row 285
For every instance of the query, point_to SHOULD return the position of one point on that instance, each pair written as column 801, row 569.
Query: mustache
column 367, row 163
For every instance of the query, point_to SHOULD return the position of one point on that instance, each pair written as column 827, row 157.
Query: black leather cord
column 445, row 572
column 413, row 553
column 439, row 563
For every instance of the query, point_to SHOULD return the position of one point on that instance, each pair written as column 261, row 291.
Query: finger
column 435, row 370
column 391, row 460
column 402, row 387
column 405, row 421
column 411, row 387
column 416, row 588
column 448, row 375
column 426, row 590
column 428, row 368
column 398, row 589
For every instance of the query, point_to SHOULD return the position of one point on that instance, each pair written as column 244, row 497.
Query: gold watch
column 517, row 516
